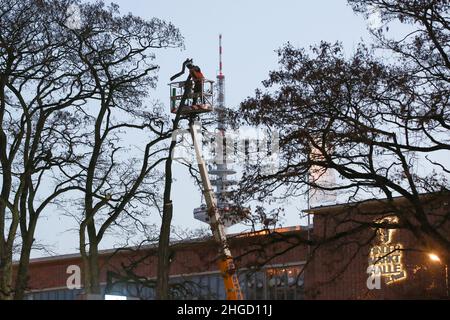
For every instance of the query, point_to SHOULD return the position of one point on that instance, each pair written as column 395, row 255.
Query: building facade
column 347, row 259
column 265, row 271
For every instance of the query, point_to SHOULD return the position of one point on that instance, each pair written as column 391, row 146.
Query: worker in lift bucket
column 197, row 77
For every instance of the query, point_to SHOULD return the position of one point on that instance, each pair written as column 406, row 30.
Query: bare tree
column 71, row 87
column 371, row 118
column 117, row 53
column 38, row 84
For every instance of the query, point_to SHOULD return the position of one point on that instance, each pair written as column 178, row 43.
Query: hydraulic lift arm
column 226, row 264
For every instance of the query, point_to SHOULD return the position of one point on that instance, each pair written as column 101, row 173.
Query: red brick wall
column 338, row 269
column 196, row 257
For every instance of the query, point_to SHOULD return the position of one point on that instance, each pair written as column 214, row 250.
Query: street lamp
column 435, row 258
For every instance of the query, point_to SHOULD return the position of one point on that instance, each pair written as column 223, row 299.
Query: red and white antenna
column 220, row 80
column 220, row 55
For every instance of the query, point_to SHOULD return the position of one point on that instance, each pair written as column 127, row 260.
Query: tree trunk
column 93, row 262
column 22, row 270
column 162, row 283
column 89, row 255
column 6, row 276
column 94, row 272
column 85, row 273
column 91, row 273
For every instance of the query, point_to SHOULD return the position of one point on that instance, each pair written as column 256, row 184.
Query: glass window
column 248, row 286
column 285, row 283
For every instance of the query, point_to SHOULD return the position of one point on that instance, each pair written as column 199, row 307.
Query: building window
column 285, row 283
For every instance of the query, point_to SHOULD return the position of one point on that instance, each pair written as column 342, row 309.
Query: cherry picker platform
column 205, row 97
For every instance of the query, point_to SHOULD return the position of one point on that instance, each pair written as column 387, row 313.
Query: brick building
column 277, row 264
column 339, row 268
column 266, row 271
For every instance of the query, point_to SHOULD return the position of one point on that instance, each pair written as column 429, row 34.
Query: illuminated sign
column 386, row 257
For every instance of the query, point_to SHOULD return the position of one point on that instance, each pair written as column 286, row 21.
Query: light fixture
column 434, row 257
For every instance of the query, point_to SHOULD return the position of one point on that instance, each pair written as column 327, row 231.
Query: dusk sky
column 252, row 31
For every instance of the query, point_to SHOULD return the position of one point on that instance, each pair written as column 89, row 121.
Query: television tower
column 221, row 170
column 230, row 212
